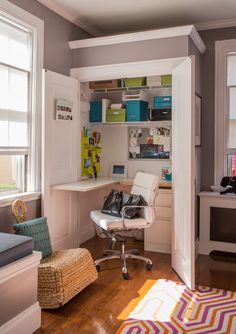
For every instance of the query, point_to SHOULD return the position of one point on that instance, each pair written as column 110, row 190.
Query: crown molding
column 141, row 36
column 72, row 17
column 197, row 40
column 216, row 24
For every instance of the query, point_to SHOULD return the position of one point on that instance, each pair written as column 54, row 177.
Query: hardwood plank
column 102, row 306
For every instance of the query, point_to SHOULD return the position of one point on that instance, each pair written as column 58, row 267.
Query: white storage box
column 135, row 95
column 154, row 80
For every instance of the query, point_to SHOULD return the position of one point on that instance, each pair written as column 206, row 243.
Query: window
column 225, row 109
column 20, row 99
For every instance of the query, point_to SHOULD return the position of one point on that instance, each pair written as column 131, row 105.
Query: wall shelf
column 127, row 124
column 124, row 89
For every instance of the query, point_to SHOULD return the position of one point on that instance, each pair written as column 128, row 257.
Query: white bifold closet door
column 60, row 160
column 183, row 166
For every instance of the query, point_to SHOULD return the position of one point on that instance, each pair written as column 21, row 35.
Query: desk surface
column 87, row 185
column 92, row 184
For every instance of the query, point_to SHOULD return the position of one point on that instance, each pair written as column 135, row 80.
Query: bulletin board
column 149, row 142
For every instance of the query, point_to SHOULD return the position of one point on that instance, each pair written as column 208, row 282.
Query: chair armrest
column 133, row 206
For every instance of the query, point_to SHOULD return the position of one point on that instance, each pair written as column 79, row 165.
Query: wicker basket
column 64, row 274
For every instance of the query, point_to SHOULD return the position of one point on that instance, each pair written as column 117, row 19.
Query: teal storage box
column 162, row 102
column 136, row 111
column 95, row 112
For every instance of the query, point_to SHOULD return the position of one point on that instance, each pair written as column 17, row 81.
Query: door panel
column 183, row 168
column 60, row 160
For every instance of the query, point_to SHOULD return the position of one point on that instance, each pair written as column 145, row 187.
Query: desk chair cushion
column 38, row 230
column 110, row 223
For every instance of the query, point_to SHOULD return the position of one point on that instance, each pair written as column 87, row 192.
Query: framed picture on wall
column 198, row 120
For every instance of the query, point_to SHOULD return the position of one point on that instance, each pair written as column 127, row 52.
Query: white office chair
column 147, row 186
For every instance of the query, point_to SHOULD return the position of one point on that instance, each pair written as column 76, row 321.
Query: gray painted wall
column 57, row 33
column 58, row 58
column 131, row 52
column 208, row 104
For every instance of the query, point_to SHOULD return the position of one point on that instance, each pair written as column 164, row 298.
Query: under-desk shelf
column 127, row 124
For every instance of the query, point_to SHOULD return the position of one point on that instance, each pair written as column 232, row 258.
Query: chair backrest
column 146, row 185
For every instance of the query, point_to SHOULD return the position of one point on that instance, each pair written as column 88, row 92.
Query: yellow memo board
column 91, row 150
column 149, row 142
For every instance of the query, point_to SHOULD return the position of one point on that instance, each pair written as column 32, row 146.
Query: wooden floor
column 102, row 306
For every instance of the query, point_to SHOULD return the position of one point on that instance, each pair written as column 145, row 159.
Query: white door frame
column 132, row 69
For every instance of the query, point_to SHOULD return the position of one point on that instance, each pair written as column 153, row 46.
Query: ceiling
column 107, row 17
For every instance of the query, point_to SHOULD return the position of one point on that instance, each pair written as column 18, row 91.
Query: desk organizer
column 91, row 151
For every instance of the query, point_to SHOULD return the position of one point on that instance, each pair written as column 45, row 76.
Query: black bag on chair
column 113, row 203
column 129, row 200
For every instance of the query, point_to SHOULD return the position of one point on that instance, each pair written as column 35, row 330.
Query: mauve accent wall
column 131, row 52
column 6, row 216
column 57, row 33
column 209, row 37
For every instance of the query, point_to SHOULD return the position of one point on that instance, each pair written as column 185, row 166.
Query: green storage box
column 135, row 82
column 166, row 79
column 115, row 115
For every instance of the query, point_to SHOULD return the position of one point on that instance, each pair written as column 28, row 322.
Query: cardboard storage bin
column 95, row 112
column 136, row 111
column 115, row 115
column 104, row 84
column 135, row 82
column 162, row 102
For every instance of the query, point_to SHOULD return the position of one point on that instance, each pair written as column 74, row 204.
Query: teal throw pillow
column 38, row 230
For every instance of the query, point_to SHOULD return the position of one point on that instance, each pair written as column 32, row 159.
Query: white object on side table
column 19, row 309
column 208, row 200
column 157, row 238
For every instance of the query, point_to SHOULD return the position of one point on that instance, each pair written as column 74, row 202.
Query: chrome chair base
column 123, row 255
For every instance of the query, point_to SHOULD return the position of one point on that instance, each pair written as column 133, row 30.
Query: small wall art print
column 64, row 110
column 149, row 142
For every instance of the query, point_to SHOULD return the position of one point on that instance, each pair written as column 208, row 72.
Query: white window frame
column 36, row 25
column 222, row 49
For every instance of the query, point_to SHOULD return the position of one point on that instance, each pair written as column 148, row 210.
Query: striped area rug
column 170, row 307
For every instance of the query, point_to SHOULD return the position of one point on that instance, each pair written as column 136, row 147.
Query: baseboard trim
column 26, row 322
column 157, row 247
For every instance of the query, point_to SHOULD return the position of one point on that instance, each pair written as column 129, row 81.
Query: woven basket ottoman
column 62, row 275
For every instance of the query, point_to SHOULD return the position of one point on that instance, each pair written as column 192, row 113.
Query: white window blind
column 15, row 92
column 15, row 105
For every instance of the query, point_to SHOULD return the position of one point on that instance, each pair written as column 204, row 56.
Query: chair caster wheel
column 149, row 266
column 126, row 276
column 98, row 267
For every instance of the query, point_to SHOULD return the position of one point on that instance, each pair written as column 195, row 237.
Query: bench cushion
column 13, row 247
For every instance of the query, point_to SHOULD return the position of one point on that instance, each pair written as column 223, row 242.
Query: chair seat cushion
column 111, row 223
column 63, row 274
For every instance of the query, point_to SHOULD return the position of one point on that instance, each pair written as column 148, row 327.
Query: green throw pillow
column 38, row 230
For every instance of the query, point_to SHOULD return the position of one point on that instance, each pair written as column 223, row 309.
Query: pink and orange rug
column 170, row 307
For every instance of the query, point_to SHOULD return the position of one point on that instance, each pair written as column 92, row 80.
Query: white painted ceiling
column 107, row 17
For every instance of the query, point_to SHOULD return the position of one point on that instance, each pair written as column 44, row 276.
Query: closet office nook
column 144, row 70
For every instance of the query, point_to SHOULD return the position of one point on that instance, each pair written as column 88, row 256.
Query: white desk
column 70, row 223
column 208, row 200
column 92, row 184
